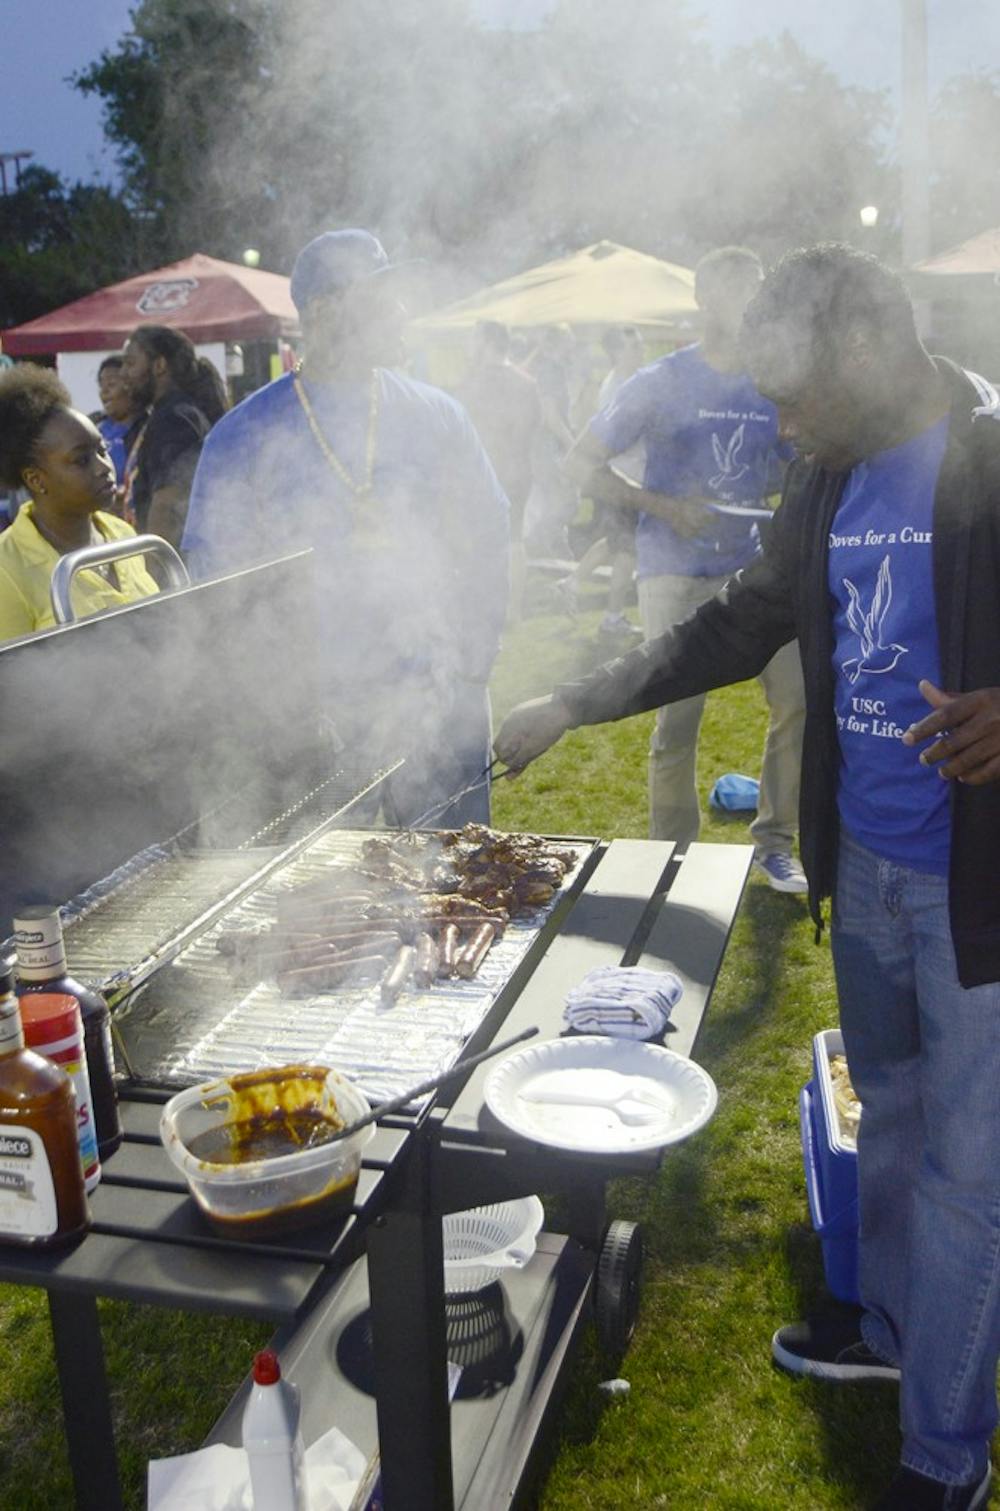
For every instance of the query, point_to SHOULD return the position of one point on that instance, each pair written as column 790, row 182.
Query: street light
column 251, row 257
column 869, row 216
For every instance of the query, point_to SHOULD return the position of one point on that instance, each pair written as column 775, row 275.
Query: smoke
column 121, row 730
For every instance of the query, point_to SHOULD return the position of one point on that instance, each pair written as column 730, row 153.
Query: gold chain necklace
column 362, row 488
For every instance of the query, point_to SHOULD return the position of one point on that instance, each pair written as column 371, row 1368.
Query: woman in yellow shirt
column 59, row 455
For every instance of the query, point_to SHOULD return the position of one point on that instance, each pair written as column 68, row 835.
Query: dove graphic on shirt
column 726, row 459
column 876, row 656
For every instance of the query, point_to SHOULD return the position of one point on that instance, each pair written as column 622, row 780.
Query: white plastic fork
column 632, row 1101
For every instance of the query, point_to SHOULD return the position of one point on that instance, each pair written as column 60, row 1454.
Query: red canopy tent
column 207, row 299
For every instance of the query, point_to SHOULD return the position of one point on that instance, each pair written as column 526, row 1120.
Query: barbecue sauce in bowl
column 275, row 1123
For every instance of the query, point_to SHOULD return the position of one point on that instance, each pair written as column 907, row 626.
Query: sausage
column 448, row 949
column 426, row 967
column 474, row 952
column 462, row 922
column 398, row 974
column 321, row 978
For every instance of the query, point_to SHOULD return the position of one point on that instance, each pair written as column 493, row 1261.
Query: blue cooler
column 831, row 1169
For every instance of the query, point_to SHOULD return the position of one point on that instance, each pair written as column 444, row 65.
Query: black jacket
column 783, row 593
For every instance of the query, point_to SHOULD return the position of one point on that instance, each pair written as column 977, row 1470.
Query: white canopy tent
column 604, row 284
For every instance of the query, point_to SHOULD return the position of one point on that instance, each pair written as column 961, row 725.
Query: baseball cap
column 333, row 261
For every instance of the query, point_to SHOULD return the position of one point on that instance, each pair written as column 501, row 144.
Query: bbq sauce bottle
column 42, row 1200
column 41, row 967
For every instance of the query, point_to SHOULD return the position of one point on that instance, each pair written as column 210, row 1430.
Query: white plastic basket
column 483, row 1242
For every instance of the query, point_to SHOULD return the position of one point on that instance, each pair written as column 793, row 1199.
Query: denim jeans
column 673, row 795
column 924, row 1054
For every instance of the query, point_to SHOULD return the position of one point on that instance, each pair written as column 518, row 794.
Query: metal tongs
column 488, row 775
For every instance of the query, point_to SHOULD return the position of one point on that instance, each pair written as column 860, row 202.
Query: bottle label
column 11, row 1032
column 27, row 1192
column 69, row 1055
column 41, row 953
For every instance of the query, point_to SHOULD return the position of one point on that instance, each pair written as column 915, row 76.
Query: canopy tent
column 980, row 254
column 211, row 301
column 604, row 284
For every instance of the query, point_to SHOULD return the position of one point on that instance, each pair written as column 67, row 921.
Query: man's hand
column 688, row 517
column 965, row 728
column 529, row 730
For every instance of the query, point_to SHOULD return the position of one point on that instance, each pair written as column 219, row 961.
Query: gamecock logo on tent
column 161, row 298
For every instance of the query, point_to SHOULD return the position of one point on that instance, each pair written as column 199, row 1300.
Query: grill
column 159, row 721
column 183, row 1018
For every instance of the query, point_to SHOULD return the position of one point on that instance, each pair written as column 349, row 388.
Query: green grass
column 730, row 1255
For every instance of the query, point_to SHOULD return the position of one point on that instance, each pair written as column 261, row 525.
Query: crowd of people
column 865, row 604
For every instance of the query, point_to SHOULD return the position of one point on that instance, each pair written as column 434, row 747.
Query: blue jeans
column 924, row 1054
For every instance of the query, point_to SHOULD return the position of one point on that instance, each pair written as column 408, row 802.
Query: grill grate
column 191, row 1022
column 145, row 911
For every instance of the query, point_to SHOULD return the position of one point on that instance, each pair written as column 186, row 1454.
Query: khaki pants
column 673, row 795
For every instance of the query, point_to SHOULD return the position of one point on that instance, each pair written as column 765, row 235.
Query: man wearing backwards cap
column 388, row 482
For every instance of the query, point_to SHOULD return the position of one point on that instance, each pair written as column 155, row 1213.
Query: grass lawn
column 730, row 1254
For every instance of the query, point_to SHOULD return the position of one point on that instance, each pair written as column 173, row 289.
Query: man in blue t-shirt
column 122, row 420
column 884, row 561
column 387, row 481
column 712, row 456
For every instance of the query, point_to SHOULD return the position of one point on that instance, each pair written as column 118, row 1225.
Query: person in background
column 121, row 421
column 504, row 406
column 884, row 561
column 59, row 455
column 387, row 481
column 185, row 395
column 710, row 442
column 615, row 543
column 554, row 498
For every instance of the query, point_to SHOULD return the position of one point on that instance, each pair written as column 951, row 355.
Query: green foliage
column 248, row 122
column 59, row 242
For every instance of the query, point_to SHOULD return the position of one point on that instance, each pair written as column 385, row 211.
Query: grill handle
column 67, row 567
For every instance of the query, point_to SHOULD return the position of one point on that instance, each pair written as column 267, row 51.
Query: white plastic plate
column 598, row 1095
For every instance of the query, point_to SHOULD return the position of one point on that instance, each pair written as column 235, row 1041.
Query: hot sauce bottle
column 41, row 967
column 42, row 1200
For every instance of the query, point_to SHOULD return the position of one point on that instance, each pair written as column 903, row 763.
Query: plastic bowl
column 258, row 1197
column 483, row 1242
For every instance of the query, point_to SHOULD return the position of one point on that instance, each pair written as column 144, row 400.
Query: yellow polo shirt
column 26, row 563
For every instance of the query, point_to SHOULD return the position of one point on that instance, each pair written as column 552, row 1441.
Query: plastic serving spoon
column 634, row 1102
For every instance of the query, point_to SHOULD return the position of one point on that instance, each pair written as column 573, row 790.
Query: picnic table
column 359, row 1304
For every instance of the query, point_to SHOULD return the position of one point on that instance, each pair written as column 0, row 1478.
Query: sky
column 859, row 39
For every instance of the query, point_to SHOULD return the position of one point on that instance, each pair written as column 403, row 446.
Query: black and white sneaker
column 829, row 1348
column 911, row 1491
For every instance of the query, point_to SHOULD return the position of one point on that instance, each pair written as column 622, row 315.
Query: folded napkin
column 218, row 1478
column 625, row 1001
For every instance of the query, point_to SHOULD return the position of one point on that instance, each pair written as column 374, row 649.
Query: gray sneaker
column 830, row 1348
column 783, row 872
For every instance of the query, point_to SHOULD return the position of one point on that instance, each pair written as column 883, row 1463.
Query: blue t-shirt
column 706, row 434
column 114, row 433
column 886, row 639
column 412, row 579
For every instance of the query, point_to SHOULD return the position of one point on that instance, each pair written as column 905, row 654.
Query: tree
column 262, row 122
column 59, row 242
column 965, row 168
